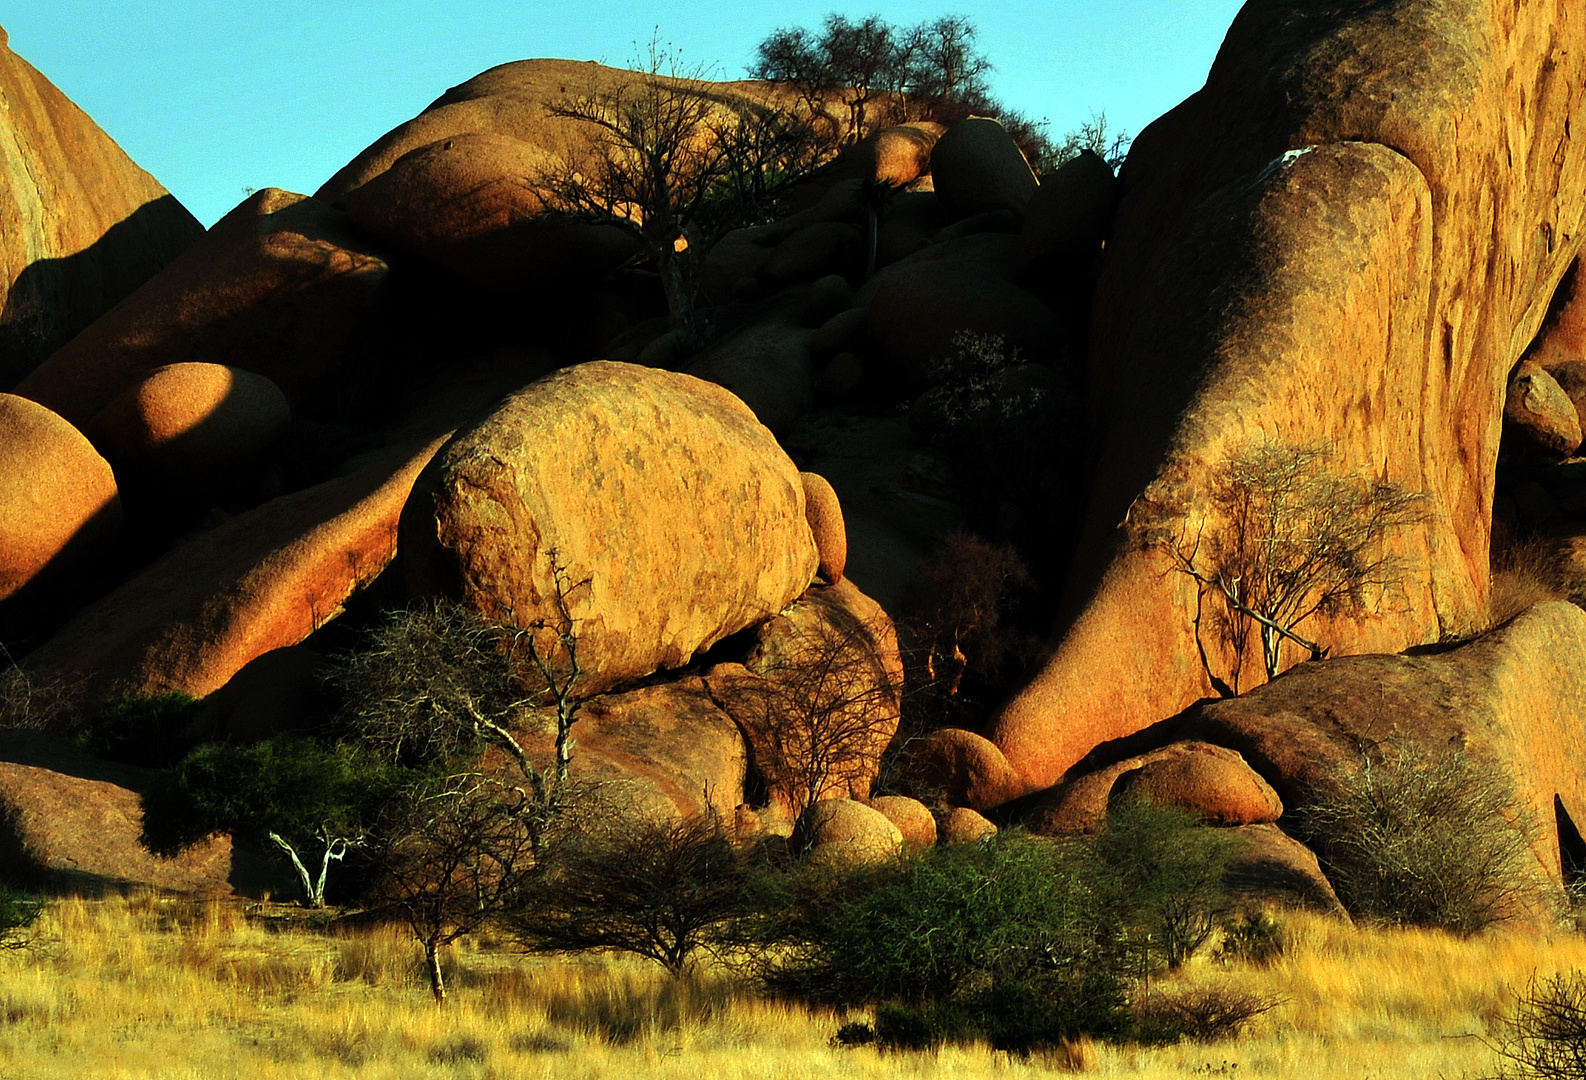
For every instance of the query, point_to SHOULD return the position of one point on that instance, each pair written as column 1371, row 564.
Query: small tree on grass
column 312, row 801
column 434, row 689
column 1294, row 539
column 657, row 889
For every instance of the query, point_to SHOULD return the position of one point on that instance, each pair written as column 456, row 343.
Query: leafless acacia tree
column 674, row 165
column 434, row 687
column 820, row 711
column 1293, row 539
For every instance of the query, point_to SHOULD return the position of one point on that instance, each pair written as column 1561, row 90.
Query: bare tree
column 819, row 708
column 1293, row 539
column 437, row 686
column 453, row 854
column 652, row 888
column 674, row 165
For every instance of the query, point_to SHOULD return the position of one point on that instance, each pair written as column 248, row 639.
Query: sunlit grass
column 139, row 987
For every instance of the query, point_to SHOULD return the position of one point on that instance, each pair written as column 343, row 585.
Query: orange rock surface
column 81, row 225
column 262, row 580
column 1347, row 238
column 674, row 516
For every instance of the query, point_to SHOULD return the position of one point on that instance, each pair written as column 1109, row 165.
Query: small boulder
column 192, row 430
column 961, row 825
column 1539, row 407
column 843, row 832
column 827, row 296
column 60, row 511
column 846, row 331
column 955, row 767
column 977, row 166
column 670, row 515
column 768, row 366
column 825, row 515
column 912, row 817
column 1271, row 867
column 839, row 378
column 1207, row 780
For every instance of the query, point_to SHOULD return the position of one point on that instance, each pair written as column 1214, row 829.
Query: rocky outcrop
column 60, row 511
column 1542, row 412
column 1346, row 239
column 260, row 581
column 469, row 203
column 818, row 696
column 281, row 286
column 1270, row 867
column 81, row 226
column 669, row 515
column 1510, row 701
column 190, row 431
column 70, row 822
column 1209, row 781
column 961, row 825
column 665, row 752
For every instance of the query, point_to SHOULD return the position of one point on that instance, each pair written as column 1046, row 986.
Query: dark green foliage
column 1421, row 838
column 149, row 731
column 1170, row 867
column 1545, row 1039
column 1253, row 937
column 289, row 785
column 656, row 889
column 1011, row 431
column 17, row 913
column 1014, row 940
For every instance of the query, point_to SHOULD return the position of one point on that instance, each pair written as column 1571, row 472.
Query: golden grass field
column 140, row 987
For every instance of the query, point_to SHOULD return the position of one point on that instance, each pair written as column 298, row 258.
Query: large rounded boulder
column 1345, row 240
column 59, row 508
column 192, row 428
column 646, row 511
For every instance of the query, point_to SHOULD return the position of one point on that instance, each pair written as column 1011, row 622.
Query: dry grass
column 144, row 988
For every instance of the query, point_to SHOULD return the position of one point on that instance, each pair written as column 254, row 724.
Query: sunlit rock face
column 81, row 225
column 1345, row 240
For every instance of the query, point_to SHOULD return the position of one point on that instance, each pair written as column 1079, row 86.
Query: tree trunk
column 674, row 267
column 432, row 957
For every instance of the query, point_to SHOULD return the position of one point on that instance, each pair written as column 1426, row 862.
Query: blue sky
column 215, row 97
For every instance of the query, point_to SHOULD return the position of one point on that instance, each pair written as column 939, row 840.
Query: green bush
column 1170, row 867
column 1422, row 838
column 1014, row 941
